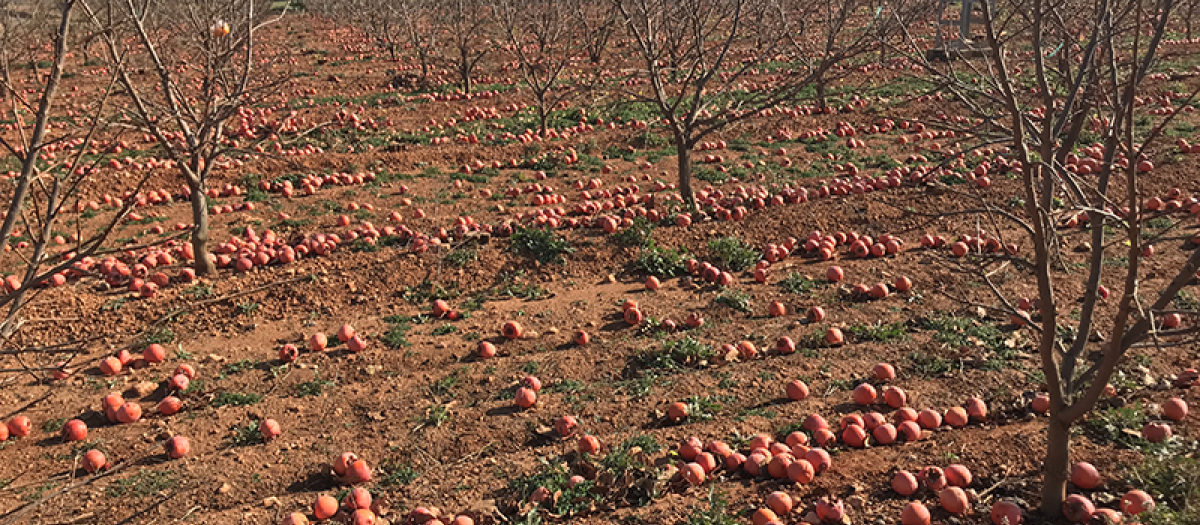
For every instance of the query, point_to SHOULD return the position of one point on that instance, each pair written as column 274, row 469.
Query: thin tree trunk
column 464, row 70
column 683, row 151
column 16, row 204
column 37, row 137
column 821, row 92
column 541, row 104
column 1058, row 452
column 202, row 264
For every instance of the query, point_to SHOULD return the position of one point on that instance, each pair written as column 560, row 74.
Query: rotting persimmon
column 170, row 406
column 74, row 430
column 94, row 461
column 914, row 513
column 178, row 447
column 525, row 397
column 834, row 336
column 270, row 429
column 325, row 507
column 677, row 411
column 511, row 330
column 566, row 425
column 796, row 390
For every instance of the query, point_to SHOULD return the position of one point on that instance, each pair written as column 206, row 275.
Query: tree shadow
column 29, row 405
column 315, row 482
column 148, row 508
column 540, row 439
column 849, row 408
column 506, row 410
column 616, row 322
column 779, row 401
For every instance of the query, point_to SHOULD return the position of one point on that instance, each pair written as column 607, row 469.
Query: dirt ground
column 438, row 423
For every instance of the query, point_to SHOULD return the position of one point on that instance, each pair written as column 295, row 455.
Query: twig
column 1002, row 481
column 12, row 516
column 475, row 454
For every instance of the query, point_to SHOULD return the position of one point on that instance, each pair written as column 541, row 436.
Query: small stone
column 271, row 502
column 553, row 330
column 611, row 279
column 225, row 489
column 144, row 388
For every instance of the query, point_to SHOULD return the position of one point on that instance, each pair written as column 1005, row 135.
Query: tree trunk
column 541, row 104
column 202, row 264
column 683, row 152
column 1058, row 452
column 821, row 92
column 14, row 206
column 464, row 71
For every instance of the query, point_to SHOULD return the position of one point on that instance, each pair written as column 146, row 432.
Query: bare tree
column 697, row 54
column 467, row 24
column 541, row 36
column 203, row 62
column 420, row 32
column 1187, row 11
column 15, row 31
column 383, row 21
column 396, row 25
column 53, row 170
column 1086, row 91
column 596, row 25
